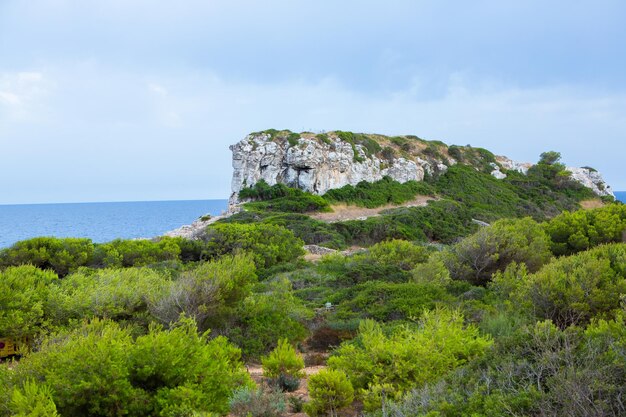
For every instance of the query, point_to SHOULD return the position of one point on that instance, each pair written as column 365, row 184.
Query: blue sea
column 101, row 222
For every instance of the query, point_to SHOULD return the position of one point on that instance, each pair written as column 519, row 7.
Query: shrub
column 251, row 402
column 281, row 198
column 24, row 292
column 296, row 404
column 387, row 301
column 400, row 253
column 491, row 249
column 575, row 289
column 378, row 364
column 284, row 365
column 442, row 221
column 33, row 400
column 330, row 391
column 61, row 255
column 118, row 294
column 210, row 293
column 142, row 252
column 584, row 229
column 99, row 369
column 264, row 317
column 379, row 193
column 433, row 271
column 268, row 244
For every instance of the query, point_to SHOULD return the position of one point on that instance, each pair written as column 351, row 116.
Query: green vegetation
column 280, row 198
column 330, row 391
column 493, row 248
column 575, row 289
column 99, row 369
column 380, row 365
column 376, row 194
column 431, row 315
column 24, row 292
column 60, row 255
column 284, row 366
column 581, row 230
column 269, row 244
column 255, row 402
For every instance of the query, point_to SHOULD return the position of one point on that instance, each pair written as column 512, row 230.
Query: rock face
column 317, row 165
column 588, row 177
column 591, row 178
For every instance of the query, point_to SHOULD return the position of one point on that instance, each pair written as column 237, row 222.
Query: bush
column 24, row 292
column 330, row 391
column 442, row 221
column 142, row 252
column 491, row 249
column 387, row 301
column 584, row 229
column 118, row 294
column 405, row 255
column 311, row 231
column 575, row 289
column 250, row 402
column 265, row 317
column 209, row 293
column 60, row 255
column 433, row 271
column 268, row 244
column 33, row 400
column 99, row 369
column 378, row 364
column 379, row 193
column 280, row 198
column 284, row 365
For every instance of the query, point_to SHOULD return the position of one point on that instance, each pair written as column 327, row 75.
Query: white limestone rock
column 591, row 178
column 314, row 166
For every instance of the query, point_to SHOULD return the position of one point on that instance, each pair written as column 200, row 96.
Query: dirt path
column 256, row 372
column 591, row 204
column 342, row 212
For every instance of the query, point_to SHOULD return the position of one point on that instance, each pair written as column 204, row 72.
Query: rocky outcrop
column 591, row 178
column 586, row 176
column 318, row 163
column 194, row 230
column 318, row 166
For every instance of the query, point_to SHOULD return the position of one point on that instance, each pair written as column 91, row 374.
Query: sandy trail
column 343, row 212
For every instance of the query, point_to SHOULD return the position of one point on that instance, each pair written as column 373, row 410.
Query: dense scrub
column 100, row 369
column 379, row 193
column 435, row 316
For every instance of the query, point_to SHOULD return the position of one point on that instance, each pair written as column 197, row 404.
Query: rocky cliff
column 320, row 162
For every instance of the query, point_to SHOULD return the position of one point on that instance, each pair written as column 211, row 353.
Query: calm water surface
column 101, row 222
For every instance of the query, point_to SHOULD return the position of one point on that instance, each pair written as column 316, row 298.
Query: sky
column 129, row 100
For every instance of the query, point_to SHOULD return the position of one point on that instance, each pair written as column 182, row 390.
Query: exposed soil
column 343, row 212
column 591, row 204
column 256, row 372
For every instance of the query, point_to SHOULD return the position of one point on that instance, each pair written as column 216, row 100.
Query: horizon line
column 116, row 201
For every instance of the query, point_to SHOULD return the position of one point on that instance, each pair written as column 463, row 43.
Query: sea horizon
column 104, row 221
column 101, row 221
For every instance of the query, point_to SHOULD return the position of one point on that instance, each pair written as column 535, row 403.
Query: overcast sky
column 115, row 100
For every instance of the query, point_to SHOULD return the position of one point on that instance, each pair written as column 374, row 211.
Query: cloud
column 135, row 136
column 21, row 93
column 157, row 89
